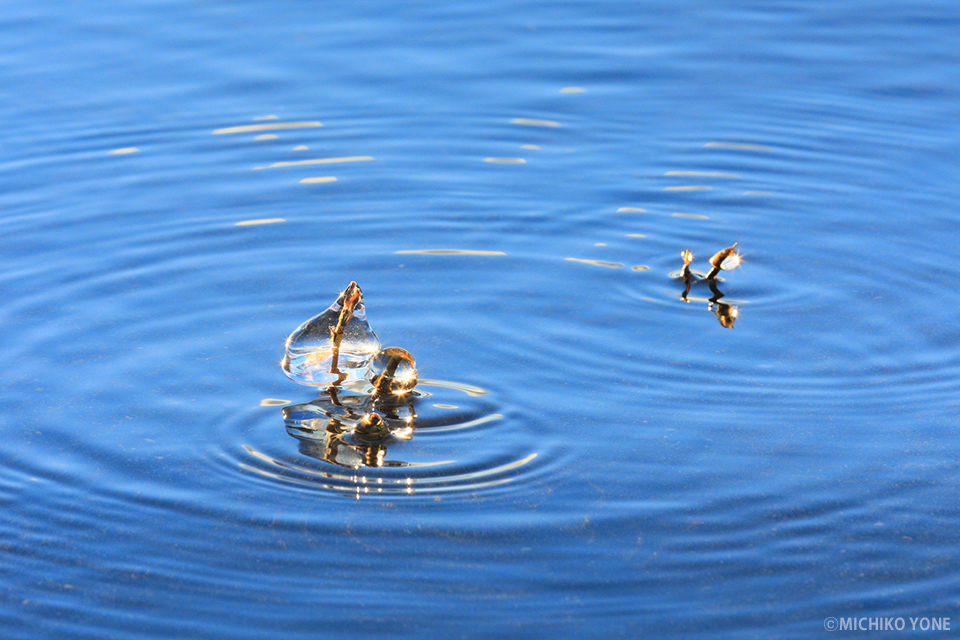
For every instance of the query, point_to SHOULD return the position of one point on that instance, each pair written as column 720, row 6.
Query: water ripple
column 446, row 438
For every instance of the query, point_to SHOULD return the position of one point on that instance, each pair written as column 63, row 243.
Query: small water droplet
column 393, row 370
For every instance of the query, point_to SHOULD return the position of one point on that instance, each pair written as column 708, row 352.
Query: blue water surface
column 511, row 184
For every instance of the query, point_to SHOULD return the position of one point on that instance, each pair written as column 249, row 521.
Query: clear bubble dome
column 392, row 370
column 312, row 356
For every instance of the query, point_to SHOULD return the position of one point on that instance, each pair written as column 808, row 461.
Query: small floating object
column 687, row 274
column 687, row 259
column 333, row 347
column 727, row 259
column 392, row 370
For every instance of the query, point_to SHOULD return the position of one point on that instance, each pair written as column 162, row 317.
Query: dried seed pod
column 720, row 256
column 717, row 261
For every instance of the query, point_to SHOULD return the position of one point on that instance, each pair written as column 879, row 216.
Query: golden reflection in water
column 701, row 174
column 531, row 147
column 355, row 429
column 631, row 210
column 690, row 216
column 273, row 126
column 332, row 428
column 640, row 267
column 531, row 122
column 359, row 484
column 736, row 145
column 349, row 430
column 318, row 180
column 273, row 402
column 600, row 244
column 726, row 312
column 689, row 188
column 266, row 136
column 505, row 160
column 247, row 223
column 636, row 235
column 451, row 252
column 322, row 474
column 124, row 151
column 262, row 118
column 597, row 263
column 301, row 147
column 573, row 90
column 303, row 163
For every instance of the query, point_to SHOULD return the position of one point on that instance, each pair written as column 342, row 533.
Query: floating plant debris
column 724, row 260
column 727, row 259
column 687, row 259
column 338, row 350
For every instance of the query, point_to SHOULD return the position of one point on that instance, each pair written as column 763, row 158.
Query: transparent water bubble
column 333, row 347
column 731, row 262
column 392, row 370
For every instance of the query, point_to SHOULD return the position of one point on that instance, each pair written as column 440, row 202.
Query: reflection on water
column 505, row 160
column 303, row 163
column 451, row 252
column 736, row 145
column 336, row 426
column 354, row 427
column 532, row 122
column 273, row 126
column 248, row 223
column 597, row 263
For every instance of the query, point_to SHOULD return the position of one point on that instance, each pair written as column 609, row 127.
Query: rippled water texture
column 593, row 450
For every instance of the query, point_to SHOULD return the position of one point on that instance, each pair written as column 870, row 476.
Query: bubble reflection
column 439, row 437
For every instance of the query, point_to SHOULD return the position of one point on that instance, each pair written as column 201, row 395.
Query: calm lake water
column 511, row 184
